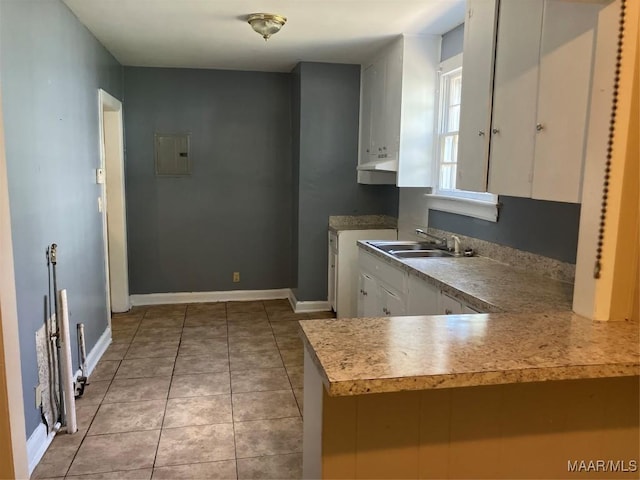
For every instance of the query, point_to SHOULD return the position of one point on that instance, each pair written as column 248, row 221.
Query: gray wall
column 234, row 212
column 546, row 228
column 325, row 164
column 452, row 43
column 51, row 68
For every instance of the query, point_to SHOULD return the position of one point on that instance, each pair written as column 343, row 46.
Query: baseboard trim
column 39, row 440
column 37, row 445
column 304, row 307
column 196, row 297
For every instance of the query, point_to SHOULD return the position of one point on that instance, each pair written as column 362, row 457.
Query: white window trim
column 472, row 204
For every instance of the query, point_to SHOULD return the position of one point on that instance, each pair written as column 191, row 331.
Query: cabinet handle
column 495, row 130
column 539, row 127
column 481, row 133
column 447, row 312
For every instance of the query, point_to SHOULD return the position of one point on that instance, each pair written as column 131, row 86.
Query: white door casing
column 114, row 218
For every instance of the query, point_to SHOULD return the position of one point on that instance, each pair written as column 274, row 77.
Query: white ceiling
column 214, row 33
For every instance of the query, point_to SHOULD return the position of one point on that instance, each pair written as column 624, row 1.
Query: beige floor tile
column 138, row 390
column 299, row 394
column 121, row 323
column 239, row 307
column 162, row 322
column 204, row 443
column 123, row 335
column 296, row 376
column 185, row 412
column 116, row 351
column 219, row 308
column 192, row 364
column 249, row 329
column 146, row 367
column 58, row 457
column 155, row 311
column 208, row 331
column 286, row 316
column 285, row 328
column 105, row 370
column 292, row 357
column 225, row 469
column 205, row 320
column 144, row 474
column 268, row 437
column 264, row 405
column 157, row 334
column 256, row 343
column 286, row 342
column 279, row 305
column 247, row 317
column 128, row 417
column 198, row 385
column 84, row 416
column 259, row 380
column 249, row 360
column 114, row 452
column 204, row 346
column 94, row 392
column 153, row 350
column 282, row 467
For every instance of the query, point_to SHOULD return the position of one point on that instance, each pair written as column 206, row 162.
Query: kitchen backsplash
column 520, row 259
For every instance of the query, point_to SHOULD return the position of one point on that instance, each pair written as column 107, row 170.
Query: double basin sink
column 410, row 249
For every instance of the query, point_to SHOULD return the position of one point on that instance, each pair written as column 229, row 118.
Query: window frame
column 474, row 204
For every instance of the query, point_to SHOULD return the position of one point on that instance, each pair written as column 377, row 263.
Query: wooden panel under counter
column 384, row 403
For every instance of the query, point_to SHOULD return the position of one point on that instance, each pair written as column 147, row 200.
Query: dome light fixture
column 266, row 24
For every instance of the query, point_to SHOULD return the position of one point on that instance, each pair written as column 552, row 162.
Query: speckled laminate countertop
column 375, row 355
column 486, row 285
column 361, row 222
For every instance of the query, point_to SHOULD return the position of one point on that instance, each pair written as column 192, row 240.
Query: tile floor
column 198, row 391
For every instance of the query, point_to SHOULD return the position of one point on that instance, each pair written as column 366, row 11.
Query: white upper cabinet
column 515, row 96
column 397, row 113
column 541, row 88
column 475, row 114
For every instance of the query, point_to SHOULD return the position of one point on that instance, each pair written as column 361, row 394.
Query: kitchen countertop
column 486, row 285
column 375, row 355
column 361, row 222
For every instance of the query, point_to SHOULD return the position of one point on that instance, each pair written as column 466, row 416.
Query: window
column 445, row 196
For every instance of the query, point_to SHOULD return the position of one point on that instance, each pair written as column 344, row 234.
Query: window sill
column 464, row 206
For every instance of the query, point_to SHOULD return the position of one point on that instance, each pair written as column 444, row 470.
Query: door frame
column 12, row 427
column 113, row 202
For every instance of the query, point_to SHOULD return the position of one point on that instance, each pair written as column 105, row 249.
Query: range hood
column 379, row 166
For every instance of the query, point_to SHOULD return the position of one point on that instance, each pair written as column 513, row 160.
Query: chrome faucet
column 437, row 240
column 456, row 245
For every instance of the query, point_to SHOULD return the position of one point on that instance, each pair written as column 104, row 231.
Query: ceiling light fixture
column 266, row 24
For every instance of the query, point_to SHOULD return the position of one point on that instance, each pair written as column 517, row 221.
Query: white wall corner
column 308, row 306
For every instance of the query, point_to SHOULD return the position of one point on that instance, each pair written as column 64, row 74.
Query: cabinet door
column 378, row 120
column 390, row 121
column 422, row 298
column 566, row 58
column 368, row 296
column 477, row 84
column 449, row 305
column 368, row 81
column 515, row 97
column 392, row 304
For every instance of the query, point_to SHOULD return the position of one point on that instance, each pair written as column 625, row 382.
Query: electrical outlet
column 38, row 389
column 236, row 277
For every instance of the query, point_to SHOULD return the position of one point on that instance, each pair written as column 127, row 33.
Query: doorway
column 112, row 202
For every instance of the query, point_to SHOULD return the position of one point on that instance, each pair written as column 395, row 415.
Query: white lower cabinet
column 422, row 298
column 382, row 288
column 385, row 290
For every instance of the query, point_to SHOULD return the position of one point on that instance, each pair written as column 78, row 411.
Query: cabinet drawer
column 394, row 277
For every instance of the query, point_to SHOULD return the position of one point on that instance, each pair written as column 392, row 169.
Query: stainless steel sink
column 421, row 253
column 411, row 249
